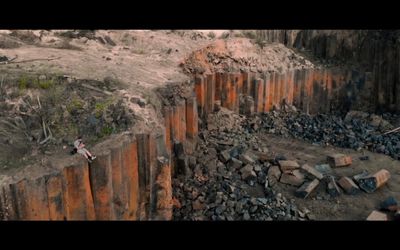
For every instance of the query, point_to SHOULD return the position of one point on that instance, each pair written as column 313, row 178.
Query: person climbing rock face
column 80, row 148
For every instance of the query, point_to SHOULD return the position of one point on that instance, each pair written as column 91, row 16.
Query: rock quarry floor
column 217, row 190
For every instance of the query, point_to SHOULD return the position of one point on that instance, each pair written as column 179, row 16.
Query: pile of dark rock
column 357, row 130
column 227, row 179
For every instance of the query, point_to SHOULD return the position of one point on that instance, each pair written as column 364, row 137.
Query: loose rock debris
column 233, row 176
column 357, row 130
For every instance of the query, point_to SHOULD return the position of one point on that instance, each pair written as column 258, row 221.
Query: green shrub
column 100, row 107
column 106, row 131
column 74, row 105
column 27, row 82
column 45, row 84
column 23, row 83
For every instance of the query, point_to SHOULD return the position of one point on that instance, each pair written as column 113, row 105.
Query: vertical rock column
column 78, row 195
column 308, row 97
column 315, row 87
column 225, row 88
column 271, row 93
column 236, row 89
column 290, row 87
column 218, row 85
column 161, row 188
column 259, row 96
column 283, row 88
column 277, row 92
column 191, row 118
column 200, row 90
column 7, row 205
column 101, row 180
column 146, row 161
column 119, row 192
column 55, row 196
column 297, row 87
column 181, row 107
column 30, row 199
column 210, row 95
column 267, row 93
column 175, row 126
column 246, row 83
column 134, row 181
column 168, row 127
column 328, row 80
column 129, row 178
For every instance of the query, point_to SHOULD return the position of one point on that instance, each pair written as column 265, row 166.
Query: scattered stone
column 312, row 171
column 370, row 183
column 274, row 172
column 266, row 183
column 294, row 179
column 280, row 158
column 192, row 161
column 348, row 185
column 355, row 132
column 310, row 216
column 248, row 158
column 288, row 166
column 253, row 209
column 197, row 205
column 219, row 210
column 248, row 174
column 364, row 158
column 377, row 216
column 305, row 190
column 355, row 114
column 212, row 152
column 257, row 168
column 298, row 174
column 332, row 188
column 265, row 156
column 390, row 204
column 234, row 163
column 339, row 160
column 225, row 156
column 246, row 216
column 363, row 174
column 324, row 169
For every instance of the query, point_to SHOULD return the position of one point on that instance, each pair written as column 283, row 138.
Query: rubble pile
column 230, row 178
column 233, row 175
column 357, row 130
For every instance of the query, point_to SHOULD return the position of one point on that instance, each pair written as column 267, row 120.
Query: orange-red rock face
column 78, row 194
column 312, row 90
column 55, row 197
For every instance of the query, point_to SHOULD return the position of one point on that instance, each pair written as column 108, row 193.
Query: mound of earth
column 243, row 54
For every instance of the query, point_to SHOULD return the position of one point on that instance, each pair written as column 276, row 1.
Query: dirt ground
column 344, row 207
